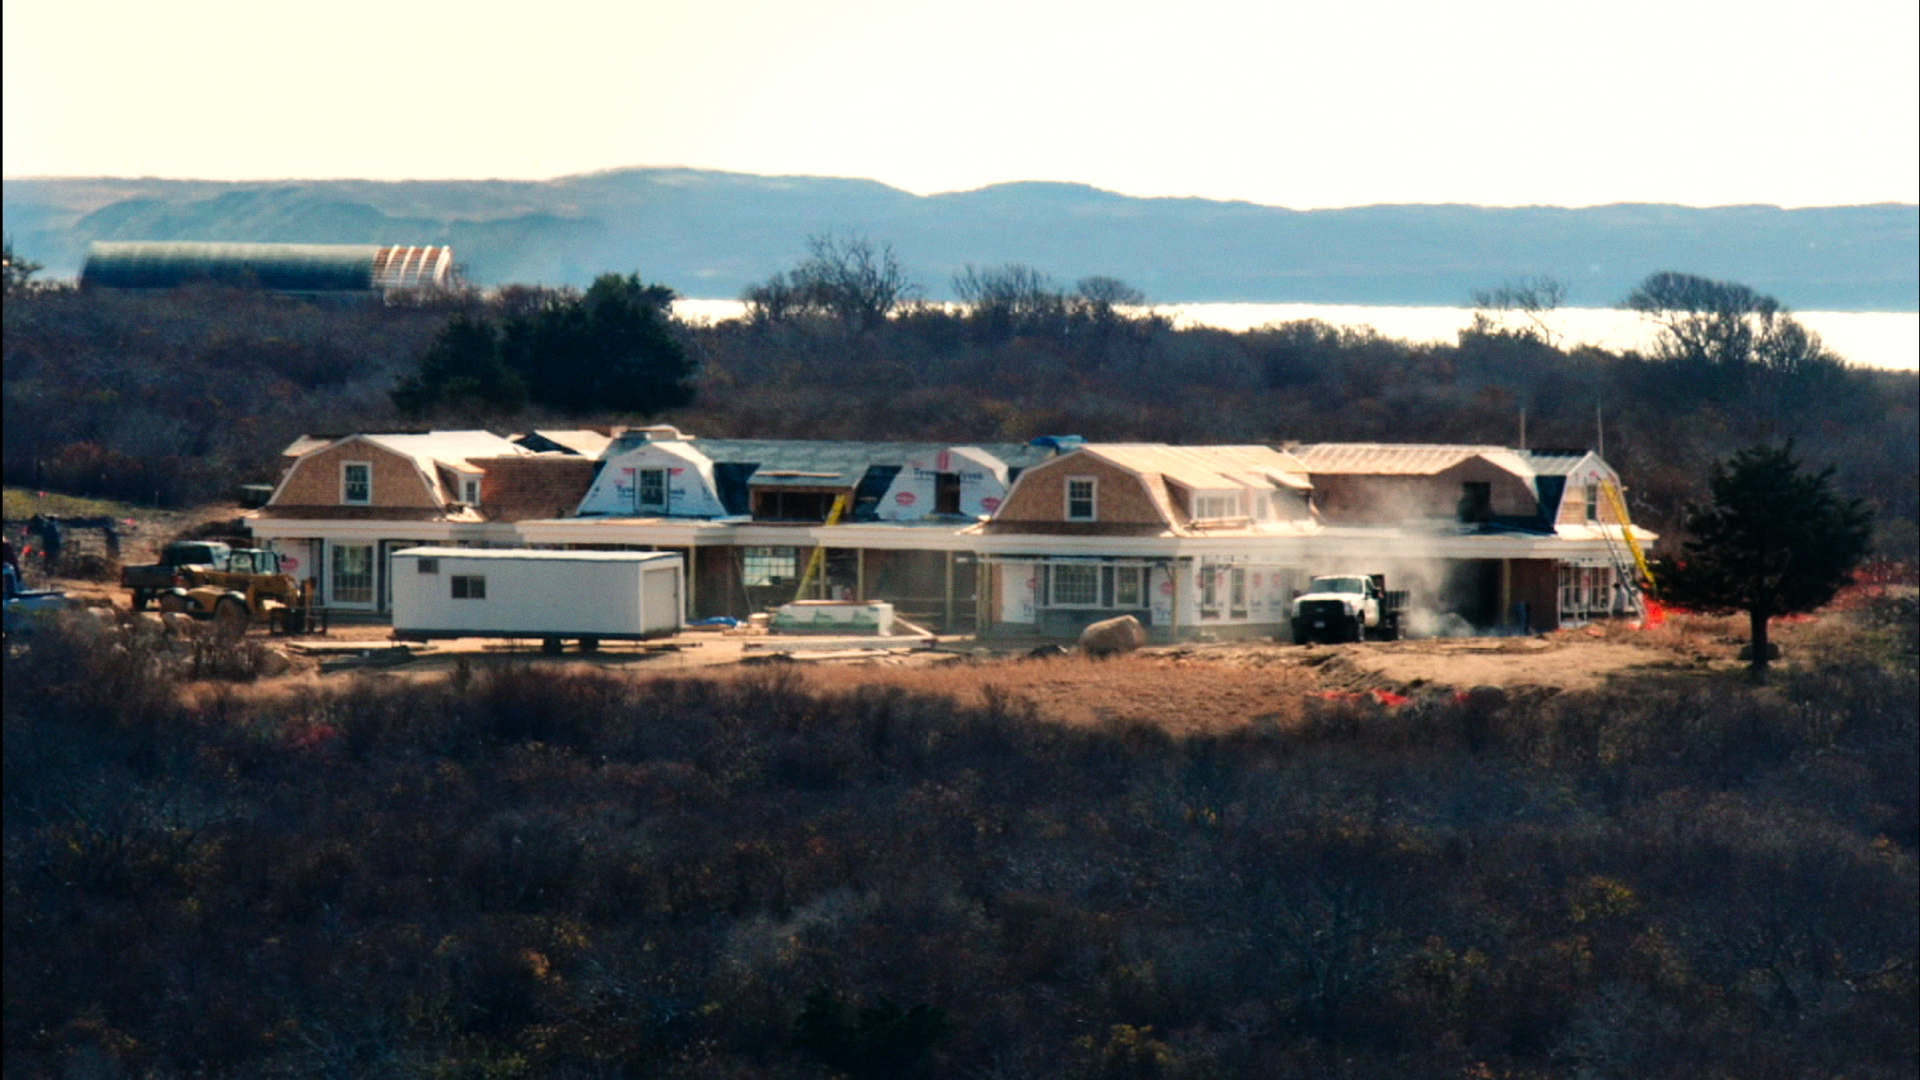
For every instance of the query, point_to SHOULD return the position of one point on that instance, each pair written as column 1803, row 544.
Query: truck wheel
column 177, row 605
column 1301, row 636
column 140, row 599
column 231, row 614
column 552, row 646
column 589, row 644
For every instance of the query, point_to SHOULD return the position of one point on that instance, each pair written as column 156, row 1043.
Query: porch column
column 860, row 574
column 693, row 580
column 1174, row 575
column 948, row 625
column 1506, row 592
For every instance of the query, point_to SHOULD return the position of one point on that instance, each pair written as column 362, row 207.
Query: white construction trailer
column 588, row 596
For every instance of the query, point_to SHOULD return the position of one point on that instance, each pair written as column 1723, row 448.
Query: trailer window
column 428, row 566
column 469, row 586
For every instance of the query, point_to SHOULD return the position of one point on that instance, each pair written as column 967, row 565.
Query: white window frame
column 470, row 490
column 349, row 590
column 1138, row 577
column 1054, row 575
column 1237, row 592
column 1593, row 501
column 1092, row 499
column 346, row 488
column 640, row 501
column 766, row 567
column 1216, row 506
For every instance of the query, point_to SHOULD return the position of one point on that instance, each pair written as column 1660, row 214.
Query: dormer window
column 1476, row 501
column 356, row 483
column 1209, row 507
column 470, row 490
column 1593, row 502
column 1080, row 499
column 650, row 491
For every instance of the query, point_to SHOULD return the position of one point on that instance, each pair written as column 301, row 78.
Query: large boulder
column 1110, row 636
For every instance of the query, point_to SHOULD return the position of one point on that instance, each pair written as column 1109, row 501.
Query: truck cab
column 1344, row 607
column 146, row 583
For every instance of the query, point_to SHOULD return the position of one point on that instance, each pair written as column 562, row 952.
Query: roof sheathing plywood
column 1387, row 459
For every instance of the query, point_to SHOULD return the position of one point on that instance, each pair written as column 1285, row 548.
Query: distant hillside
column 710, row 234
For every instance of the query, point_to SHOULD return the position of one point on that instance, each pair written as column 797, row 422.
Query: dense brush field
column 581, row 874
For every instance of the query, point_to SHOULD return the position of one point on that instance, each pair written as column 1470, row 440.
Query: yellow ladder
column 1627, row 533
column 819, row 558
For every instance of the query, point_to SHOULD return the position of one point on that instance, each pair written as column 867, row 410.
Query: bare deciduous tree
column 848, row 278
column 1524, row 307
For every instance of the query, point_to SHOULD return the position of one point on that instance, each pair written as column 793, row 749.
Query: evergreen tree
column 1774, row 540
column 462, row 368
column 609, row 351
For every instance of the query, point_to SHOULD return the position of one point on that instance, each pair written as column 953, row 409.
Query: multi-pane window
column 1076, row 585
column 652, row 489
column 768, row 565
column 1216, row 506
column 1209, row 589
column 470, row 490
column 1093, row 585
column 1080, row 505
column 1586, row 589
column 1237, row 591
column 1593, row 502
column 428, row 566
column 469, row 586
column 352, row 579
column 356, row 482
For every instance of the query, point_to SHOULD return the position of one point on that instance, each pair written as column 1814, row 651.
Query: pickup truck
column 1347, row 607
column 147, row 582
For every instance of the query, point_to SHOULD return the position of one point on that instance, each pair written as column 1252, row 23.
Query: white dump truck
column 586, row 596
column 1347, row 607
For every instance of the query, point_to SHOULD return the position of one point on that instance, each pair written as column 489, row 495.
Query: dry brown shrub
column 1181, row 694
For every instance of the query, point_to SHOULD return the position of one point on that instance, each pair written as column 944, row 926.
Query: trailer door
column 660, row 598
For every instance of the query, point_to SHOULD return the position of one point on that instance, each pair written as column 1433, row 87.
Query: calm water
column 1882, row 339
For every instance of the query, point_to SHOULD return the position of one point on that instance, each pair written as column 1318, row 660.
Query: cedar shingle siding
column 315, row 478
column 1038, row 503
column 521, row 488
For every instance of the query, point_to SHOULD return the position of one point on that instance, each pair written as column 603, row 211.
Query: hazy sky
column 1329, row 104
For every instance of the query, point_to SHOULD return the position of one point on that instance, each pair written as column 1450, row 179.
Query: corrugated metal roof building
column 289, row 268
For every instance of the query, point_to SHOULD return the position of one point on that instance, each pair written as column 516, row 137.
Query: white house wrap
column 525, row 593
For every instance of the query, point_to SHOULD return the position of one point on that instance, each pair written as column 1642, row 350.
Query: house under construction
column 1036, row 539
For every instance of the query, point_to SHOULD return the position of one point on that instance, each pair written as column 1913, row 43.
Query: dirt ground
column 1185, row 688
